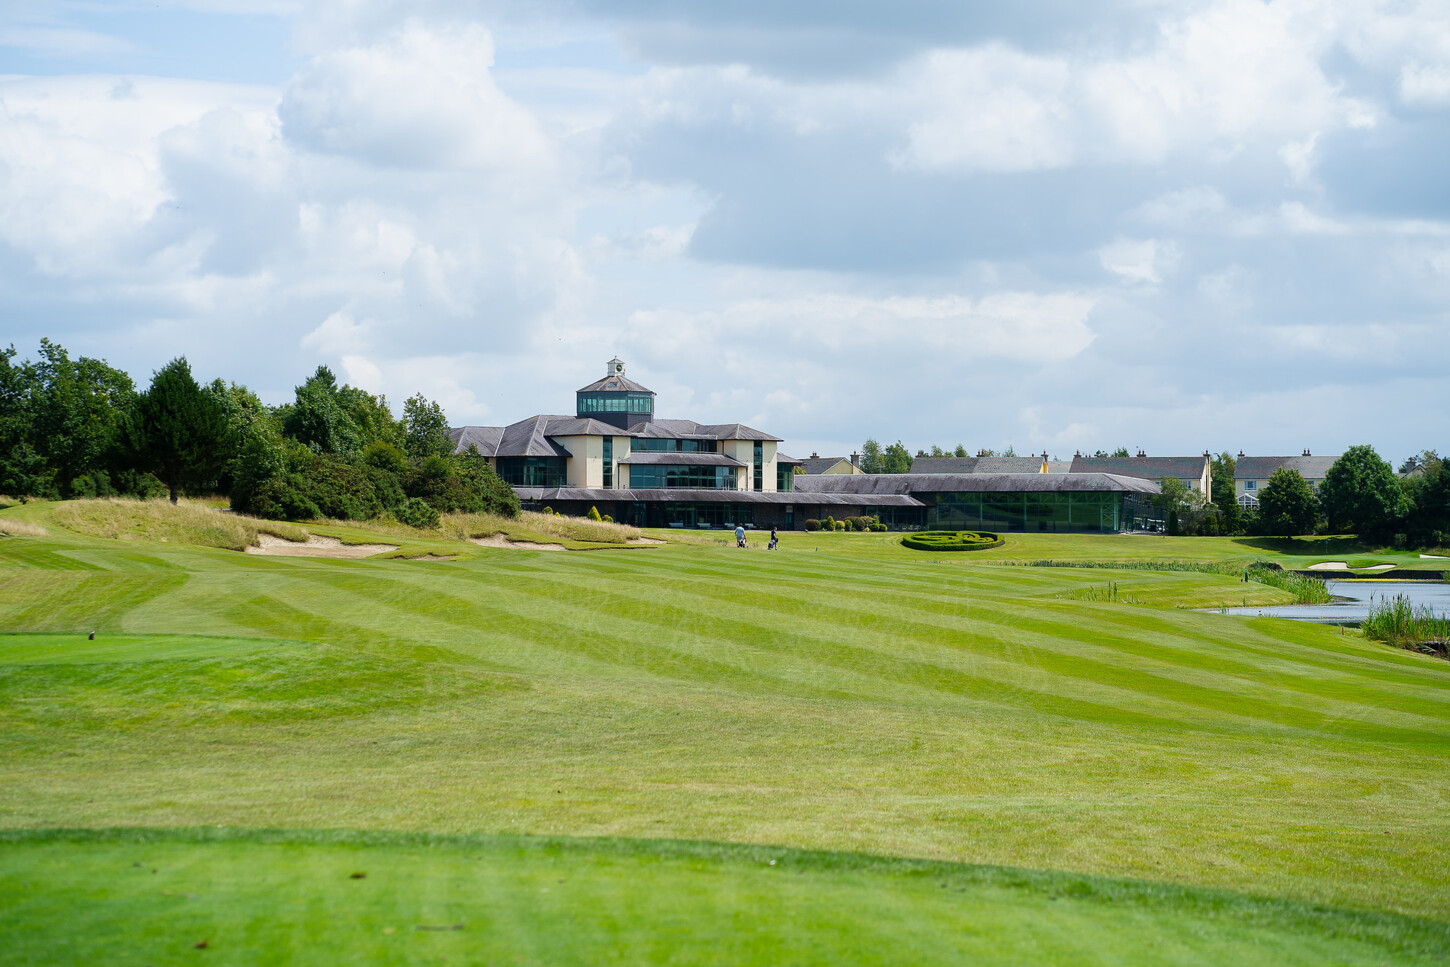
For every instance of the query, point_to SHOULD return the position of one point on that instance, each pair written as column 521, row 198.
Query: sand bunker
column 1329, row 566
column 1380, row 567
column 498, row 540
column 1436, row 557
column 644, row 540
column 316, row 546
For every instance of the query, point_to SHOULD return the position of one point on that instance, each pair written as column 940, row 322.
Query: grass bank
column 165, row 523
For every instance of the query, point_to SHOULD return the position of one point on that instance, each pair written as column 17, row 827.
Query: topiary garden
column 952, row 541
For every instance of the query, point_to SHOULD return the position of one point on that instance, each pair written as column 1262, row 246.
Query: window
column 533, row 471
column 784, row 477
column 614, row 403
column 648, row 477
column 1251, row 485
column 656, row 445
column 609, row 463
column 759, row 466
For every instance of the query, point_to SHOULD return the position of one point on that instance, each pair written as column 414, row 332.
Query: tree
column 1171, row 494
column 1287, row 505
column 960, row 451
column 871, row 457
column 1428, row 522
column 1361, row 494
column 1010, row 451
column 1121, row 453
column 425, row 429
column 318, row 418
column 1230, row 515
column 178, row 430
column 895, row 459
column 22, row 470
column 76, row 413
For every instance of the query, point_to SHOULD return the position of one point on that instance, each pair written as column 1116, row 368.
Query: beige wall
column 586, row 463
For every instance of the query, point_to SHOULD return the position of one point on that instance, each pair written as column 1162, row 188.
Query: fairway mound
column 952, row 541
column 499, row 540
column 315, row 546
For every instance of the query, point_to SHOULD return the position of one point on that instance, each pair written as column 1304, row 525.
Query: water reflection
column 1357, row 595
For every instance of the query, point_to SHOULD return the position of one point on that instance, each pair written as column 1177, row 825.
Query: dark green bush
column 417, row 512
column 813, row 525
column 952, row 541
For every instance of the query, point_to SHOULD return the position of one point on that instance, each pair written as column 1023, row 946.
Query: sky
column 1056, row 226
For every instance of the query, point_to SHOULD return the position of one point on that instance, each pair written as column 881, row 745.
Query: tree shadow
column 1308, row 546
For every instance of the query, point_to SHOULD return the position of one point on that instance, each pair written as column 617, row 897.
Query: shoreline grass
column 1394, row 620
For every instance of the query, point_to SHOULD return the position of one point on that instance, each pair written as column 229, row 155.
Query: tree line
column 80, row 428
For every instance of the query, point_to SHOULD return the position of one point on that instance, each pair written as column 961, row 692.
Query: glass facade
column 588, row 403
column 692, row 515
column 609, row 463
column 533, row 471
column 648, row 477
column 1104, row 512
column 654, row 445
column 784, row 477
column 759, row 467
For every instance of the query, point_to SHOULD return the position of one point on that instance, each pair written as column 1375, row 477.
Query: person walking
column 774, row 540
column 739, row 535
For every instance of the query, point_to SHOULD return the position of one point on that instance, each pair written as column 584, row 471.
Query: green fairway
column 841, row 694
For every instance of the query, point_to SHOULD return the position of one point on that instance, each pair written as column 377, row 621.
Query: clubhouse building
column 616, row 455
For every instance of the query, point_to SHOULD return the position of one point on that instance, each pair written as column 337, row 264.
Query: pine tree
column 178, row 430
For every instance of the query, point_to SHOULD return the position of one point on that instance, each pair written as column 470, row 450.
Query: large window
column 615, row 403
column 651, row 476
column 656, row 445
column 533, row 471
column 609, row 463
column 759, row 466
column 784, row 477
column 1029, row 512
column 691, row 515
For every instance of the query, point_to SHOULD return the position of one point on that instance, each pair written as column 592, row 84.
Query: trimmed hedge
column 952, row 541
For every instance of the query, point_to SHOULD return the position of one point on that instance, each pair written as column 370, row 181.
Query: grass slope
column 307, row 898
column 842, row 694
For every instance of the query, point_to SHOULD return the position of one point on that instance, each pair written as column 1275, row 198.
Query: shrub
column 416, row 512
column 812, row 524
column 593, row 513
column 840, row 525
column 952, row 541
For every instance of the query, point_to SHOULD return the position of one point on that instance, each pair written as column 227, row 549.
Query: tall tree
column 178, row 431
column 1230, row 516
column 425, row 429
column 895, row 459
column 22, row 470
column 1361, row 493
column 1169, row 500
column 1287, row 505
column 960, row 451
column 318, row 418
column 78, row 412
column 871, row 456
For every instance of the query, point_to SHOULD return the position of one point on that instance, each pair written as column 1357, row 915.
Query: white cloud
column 1138, row 260
column 1425, row 85
column 338, row 335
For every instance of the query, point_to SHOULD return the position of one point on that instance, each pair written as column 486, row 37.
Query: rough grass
column 1396, row 621
column 1305, row 589
column 165, row 523
column 20, row 528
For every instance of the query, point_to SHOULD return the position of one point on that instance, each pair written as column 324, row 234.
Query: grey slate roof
column 530, row 438
column 581, row 426
column 976, row 465
column 614, row 384
column 675, row 459
column 485, row 438
column 1059, row 466
column 791, row 461
column 719, row 497
column 1149, row 468
column 690, row 430
column 1261, row 468
column 922, row 483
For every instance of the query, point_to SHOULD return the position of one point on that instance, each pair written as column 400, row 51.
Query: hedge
column 952, row 541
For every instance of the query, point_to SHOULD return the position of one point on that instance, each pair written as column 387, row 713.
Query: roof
column 1149, row 468
column 821, row 464
column 717, row 497
column 690, row 430
column 676, row 459
column 1263, row 467
column 614, row 384
column 976, row 465
column 1059, row 466
column 530, row 438
column 581, row 426
column 782, row 458
column 923, row 483
column 485, row 438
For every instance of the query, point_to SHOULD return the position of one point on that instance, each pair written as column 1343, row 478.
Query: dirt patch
column 645, row 540
column 430, row 557
column 499, row 540
column 315, row 546
column 1329, row 566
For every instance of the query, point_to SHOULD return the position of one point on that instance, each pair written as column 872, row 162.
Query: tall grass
column 1398, row 622
column 25, row 527
column 157, row 520
column 464, row 526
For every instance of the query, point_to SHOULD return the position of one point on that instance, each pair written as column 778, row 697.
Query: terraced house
column 1251, row 474
column 617, row 455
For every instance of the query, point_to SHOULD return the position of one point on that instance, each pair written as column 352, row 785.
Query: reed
column 1394, row 620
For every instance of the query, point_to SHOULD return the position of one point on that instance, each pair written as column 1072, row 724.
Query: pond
column 1356, row 597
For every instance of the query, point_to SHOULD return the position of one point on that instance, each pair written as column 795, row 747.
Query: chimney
column 981, row 453
column 1241, row 454
column 1077, row 453
column 1304, row 454
column 855, row 459
column 1141, row 453
column 815, row 455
